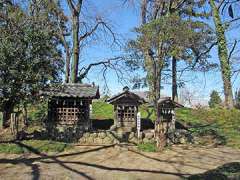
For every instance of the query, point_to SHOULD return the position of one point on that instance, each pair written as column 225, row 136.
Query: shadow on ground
column 229, row 171
column 33, row 163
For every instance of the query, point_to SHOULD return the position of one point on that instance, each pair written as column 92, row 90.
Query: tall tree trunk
column 144, row 11
column 174, row 80
column 223, row 56
column 75, row 26
column 7, row 110
column 25, row 114
column 68, row 58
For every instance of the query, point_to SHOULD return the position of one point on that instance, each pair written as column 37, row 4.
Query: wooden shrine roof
column 168, row 100
column 74, row 90
column 127, row 95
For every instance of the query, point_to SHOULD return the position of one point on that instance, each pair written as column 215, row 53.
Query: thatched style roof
column 168, row 100
column 126, row 94
column 72, row 90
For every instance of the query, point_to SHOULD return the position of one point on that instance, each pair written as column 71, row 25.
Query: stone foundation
column 98, row 138
column 81, row 135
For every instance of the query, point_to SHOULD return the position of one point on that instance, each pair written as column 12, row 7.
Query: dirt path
column 116, row 163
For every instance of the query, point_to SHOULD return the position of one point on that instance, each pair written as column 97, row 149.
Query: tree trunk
column 7, row 110
column 1, row 117
column 75, row 26
column 174, row 80
column 68, row 58
column 25, row 115
column 223, row 56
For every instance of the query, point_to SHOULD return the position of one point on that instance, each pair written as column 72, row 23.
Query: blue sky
column 123, row 18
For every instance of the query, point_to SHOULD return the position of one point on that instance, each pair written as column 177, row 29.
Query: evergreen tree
column 163, row 38
column 237, row 99
column 29, row 56
column 215, row 99
column 166, row 35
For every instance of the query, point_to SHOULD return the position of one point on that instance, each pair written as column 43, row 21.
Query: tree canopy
column 29, row 55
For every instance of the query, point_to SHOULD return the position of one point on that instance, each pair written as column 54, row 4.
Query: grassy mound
column 219, row 122
column 102, row 110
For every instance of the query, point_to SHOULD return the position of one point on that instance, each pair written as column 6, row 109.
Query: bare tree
column 74, row 32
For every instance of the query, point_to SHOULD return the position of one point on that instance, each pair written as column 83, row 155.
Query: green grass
column 38, row 146
column 147, row 147
column 11, row 148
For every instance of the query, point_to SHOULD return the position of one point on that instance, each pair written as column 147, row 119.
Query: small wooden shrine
column 166, row 124
column 69, row 104
column 126, row 108
column 166, row 108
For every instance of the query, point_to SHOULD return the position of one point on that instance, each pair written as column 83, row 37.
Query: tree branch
column 144, row 10
column 232, row 50
column 231, row 21
column 84, row 71
column 204, row 53
column 89, row 33
column 105, row 29
column 75, row 9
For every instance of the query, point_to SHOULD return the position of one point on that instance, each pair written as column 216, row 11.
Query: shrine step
column 124, row 129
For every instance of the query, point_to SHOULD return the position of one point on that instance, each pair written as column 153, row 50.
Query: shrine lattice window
column 71, row 112
column 126, row 113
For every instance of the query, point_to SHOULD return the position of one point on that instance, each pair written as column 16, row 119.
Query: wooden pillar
column 135, row 115
column 116, row 115
column 173, row 120
column 89, row 121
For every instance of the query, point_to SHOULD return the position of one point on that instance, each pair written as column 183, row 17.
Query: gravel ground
column 114, row 162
